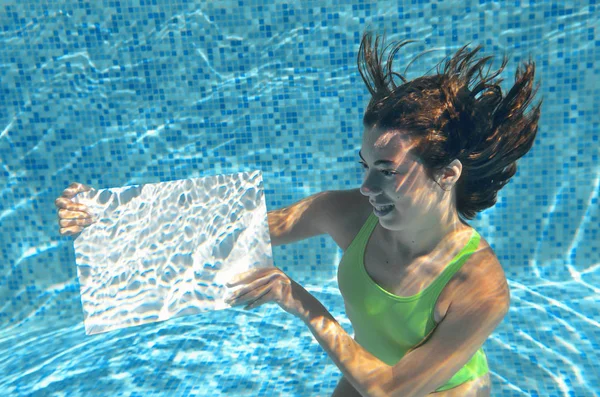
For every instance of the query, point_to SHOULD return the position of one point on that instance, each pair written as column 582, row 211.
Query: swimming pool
column 116, row 93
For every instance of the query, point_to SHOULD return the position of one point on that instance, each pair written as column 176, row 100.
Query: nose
column 368, row 188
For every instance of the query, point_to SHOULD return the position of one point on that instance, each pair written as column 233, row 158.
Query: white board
column 164, row 250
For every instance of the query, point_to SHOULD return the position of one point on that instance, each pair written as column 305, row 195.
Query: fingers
column 256, row 296
column 75, row 222
column 73, row 217
column 63, row 202
column 75, row 188
column 67, row 214
column 263, row 297
column 261, row 300
column 70, row 231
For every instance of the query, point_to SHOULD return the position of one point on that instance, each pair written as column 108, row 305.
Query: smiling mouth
column 383, row 208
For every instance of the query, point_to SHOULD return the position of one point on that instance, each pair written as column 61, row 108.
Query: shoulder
column 351, row 198
column 348, row 211
column 354, row 202
column 483, row 277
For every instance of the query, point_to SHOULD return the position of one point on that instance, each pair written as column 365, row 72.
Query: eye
column 384, row 172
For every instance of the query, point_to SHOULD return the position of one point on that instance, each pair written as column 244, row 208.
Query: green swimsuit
column 387, row 325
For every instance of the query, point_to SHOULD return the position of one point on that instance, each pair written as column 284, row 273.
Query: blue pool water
column 116, row 93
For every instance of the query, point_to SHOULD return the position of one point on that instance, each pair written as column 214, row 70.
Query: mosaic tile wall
column 115, row 93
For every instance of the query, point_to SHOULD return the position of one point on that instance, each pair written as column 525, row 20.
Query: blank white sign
column 164, row 250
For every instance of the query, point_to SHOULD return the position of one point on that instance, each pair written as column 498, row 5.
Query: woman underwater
column 422, row 289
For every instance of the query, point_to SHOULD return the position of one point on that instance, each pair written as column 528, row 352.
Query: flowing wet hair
column 486, row 131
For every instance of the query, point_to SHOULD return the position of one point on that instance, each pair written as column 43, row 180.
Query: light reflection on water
column 165, row 250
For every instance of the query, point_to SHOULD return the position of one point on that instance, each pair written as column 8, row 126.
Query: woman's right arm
column 311, row 216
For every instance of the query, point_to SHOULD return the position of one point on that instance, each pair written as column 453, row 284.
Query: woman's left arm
column 420, row 371
column 464, row 329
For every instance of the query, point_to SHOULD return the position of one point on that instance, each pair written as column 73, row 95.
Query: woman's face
column 395, row 177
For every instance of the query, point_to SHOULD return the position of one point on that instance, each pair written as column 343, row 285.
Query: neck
column 425, row 238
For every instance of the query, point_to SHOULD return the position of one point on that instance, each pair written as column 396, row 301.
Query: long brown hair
column 488, row 133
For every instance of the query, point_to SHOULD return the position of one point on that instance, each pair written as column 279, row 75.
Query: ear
column 450, row 174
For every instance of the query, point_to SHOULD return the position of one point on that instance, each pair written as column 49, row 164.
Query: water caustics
column 164, row 250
